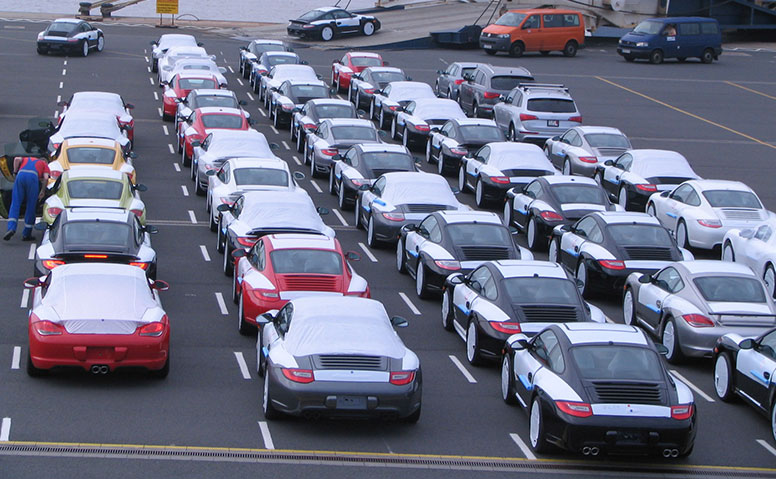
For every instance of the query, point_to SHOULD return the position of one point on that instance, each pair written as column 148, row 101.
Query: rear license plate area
column 554, row 123
column 99, row 353
column 351, row 402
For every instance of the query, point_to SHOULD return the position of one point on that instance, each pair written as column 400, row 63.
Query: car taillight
column 490, row 95
column 287, row 106
column 308, row 26
column 577, row 119
column 247, row 241
column 308, row 126
column 509, row 327
column 263, row 71
column 550, row 216
column 139, row 264
column 137, row 212
column 52, row 263
column 588, row 159
column 458, row 81
column 681, row 412
column 303, row 376
column 369, row 90
column 402, row 378
column 57, row 145
column 394, row 216
column 153, row 329
column 211, row 167
column 448, row 264
column 55, row 173
column 227, row 201
column 576, row 409
column 47, row 328
column 698, row 321
column 502, row 180
column 526, row 117
column 710, row 223
column 647, row 187
column 54, row 211
column 612, row 264
column 393, row 107
column 424, row 128
column 359, row 182
column 263, row 293
column 458, row 151
column 329, row 151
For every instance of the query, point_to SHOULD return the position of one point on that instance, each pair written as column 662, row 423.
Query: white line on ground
column 192, row 217
column 16, row 358
column 296, row 159
column 238, row 355
column 463, row 369
column 151, row 80
column 25, row 298
column 221, row 304
column 172, row 150
column 367, row 253
column 64, row 71
column 64, row 63
column 156, row 96
column 315, row 185
column 31, row 254
column 61, row 84
column 275, row 130
column 262, row 112
column 5, row 429
column 692, row 386
column 205, row 254
column 59, row 98
column 56, row 113
column 185, row 190
column 523, row 447
column 177, row 167
column 265, row 435
column 249, row 95
column 146, row 59
column 767, row 446
column 166, row 131
column 240, row 82
column 339, row 217
column 412, row 307
column 285, row 145
column 149, row 69
column 160, row 111
column 230, row 69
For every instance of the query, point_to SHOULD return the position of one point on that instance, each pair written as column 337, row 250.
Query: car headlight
column 642, row 44
column 503, row 35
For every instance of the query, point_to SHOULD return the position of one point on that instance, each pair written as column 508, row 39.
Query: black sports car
column 311, row 114
column 458, row 138
column 71, row 36
column 327, row 22
column 290, row 96
column 364, row 84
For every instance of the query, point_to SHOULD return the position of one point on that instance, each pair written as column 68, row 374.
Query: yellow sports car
column 91, row 152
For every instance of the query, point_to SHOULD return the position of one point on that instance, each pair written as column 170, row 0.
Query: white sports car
column 175, row 54
column 195, row 64
column 756, row 248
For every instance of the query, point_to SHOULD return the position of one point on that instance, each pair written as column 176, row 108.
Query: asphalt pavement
column 719, row 116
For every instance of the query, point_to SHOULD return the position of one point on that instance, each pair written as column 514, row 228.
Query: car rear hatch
column 535, row 317
column 742, row 314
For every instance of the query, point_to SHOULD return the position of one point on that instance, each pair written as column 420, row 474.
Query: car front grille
column 627, row 393
column 736, row 214
column 483, row 253
column 368, row 363
column 625, row 43
column 549, row 314
column 648, row 253
column 419, row 208
column 308, row 282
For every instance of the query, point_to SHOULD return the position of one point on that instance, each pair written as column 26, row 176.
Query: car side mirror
column 32, row 283
column 661, row 349
column 200, row 44
column 399, row 322
column 378, row 92
column 265, row 318
column 164, row 82
column 409, row 78
column 362, row 114
column 565, row 228
column 665, row 194
column 337, row 157
column 239, row 253
column 274, row 146
column 645, row 279
column 298, row 175
column 364, row 187
column 608, row 163
column 242, row 102
column 456, row 278
column 408, row 228
column 747, row 233
column 502, row 98
column 196, row 143
column 245, row 49
column 337, row 61
column 556, row 138
column 41, row 226
column 322, row 211
column 223, row 208
column 435, row 129
column 747, row 344
column 151, row 229
column 386, row 64
column 518, row 342
column 154, row 43
column 160, row 285
column 304, row 62
column 296, row 109
column 140, row 187
column 62, row 103
column 211, row 172
column 357, row 76
column 352, row 256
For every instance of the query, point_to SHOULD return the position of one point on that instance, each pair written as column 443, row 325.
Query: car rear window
column 102, row 156
column 537, row 290
column 95, row 189
column 222, row 121
column 196, row 83
column 507, row 82
column 366, row 61
column 635, row 235
column 310, row 261
column 607, row 140
column 478, row 234
column 310, row 91
column 579, row 194
column 731, row 199
column 387, row 77
column 260, row 176
column 730, row 289
column 387, row 161
column 62, row 27
column 100, row 233
column 481, row 133
column 552, row 105
column 354, row 133
column 273, row 60
column 612, row 361
column 335, row 111
column 222, row 101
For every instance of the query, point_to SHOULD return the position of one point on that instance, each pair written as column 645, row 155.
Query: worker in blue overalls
column 31, row 179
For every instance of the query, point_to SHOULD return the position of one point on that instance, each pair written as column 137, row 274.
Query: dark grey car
column 363, row 85
column 482, row 88
column 449, row 79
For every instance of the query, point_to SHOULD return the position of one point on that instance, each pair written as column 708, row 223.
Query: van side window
column 709, row 28
column 571, row 20
column 531, row 22
column 552, row 20
column 689, row 29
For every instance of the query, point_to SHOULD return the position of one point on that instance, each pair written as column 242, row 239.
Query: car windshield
column 506, row 82
column 259, row 48
column 552, row 105
column 481, row 133
column 387, row 77
column 388, row 161
column 366, row 61
column 273, row 60
column 536, row 290
column 310, row 16
column 579, row 194
column 335, row 111
column 607, row 140
column 354, row 133
column 217, row 100
column 62, row 27
column 467, row 71
column 619, row 362
column 84, row 154
column 97, row 189
column 730, row 289
column 634, row 235
column 101, row 233
column 731, row 199
column 196, row 83
column 476, row 234
column 310, row 91
column 222, row 121
column 648, row 27
column 511, row 19
column 260, row 176
column 311, row 261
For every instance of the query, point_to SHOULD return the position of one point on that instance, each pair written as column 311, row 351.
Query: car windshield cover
column 511, row 19
column 84, row 154
column 731, row 199
column 310, row 261
column 423, row 189
column 481, row 134
column 198, row 66
column 222, row 121
column 354, row 133
column 260, row 176
column 62, row 27
column 96, row 189
column 479, row 234
column 730, row 289
column 258, row 49
column 309, row 91
column 439, row 109
column 93, row 127
column 366, row 61
column 197, row 83
column 100, row 233
column 551, row 105
column 217, row 100
column 310, row 16
column 387, row 77
column 410, row 92
column 536, row 290
column 640, row 235
column 507, row 82
column 588, row 194
column 607, row 140
column 105, row 103
column 619, row 362
column 386, row 160
column 648, row 27
column 335, row 111
column 273, row 60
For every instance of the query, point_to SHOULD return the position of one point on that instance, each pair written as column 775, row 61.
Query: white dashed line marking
column 25, row 298
column 192, row 217
column 523, row 447
column 59, row 98
column 31, row 254
column 185, row 190
column 64, row 63
column 166, row 130
column 275, row 130
column 149, row 69
column 177, row 167
column 5, row 429
column 767, row 446
column 339, row 217
column 160, row 111
column 240, row 82
column 16, row 358
column 285, row 145
column 56, row 113
column 315, row 185
column 265, row 435
column 61, row 84
column 463, row 369
column 262, row 112
column 146, row 59
column 238, row 355
column 296, row 160
column 692, row 386
column 221, row 304
column 230, row 68
column 367, row 252
column 412, row 307
column 172, row 150
column 156, row 96
column 64, row 71
column 151, row 80
column 204, row 252
column 249, row 96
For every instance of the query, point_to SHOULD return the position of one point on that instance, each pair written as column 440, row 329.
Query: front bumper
column 495, row 44
column 634, row 52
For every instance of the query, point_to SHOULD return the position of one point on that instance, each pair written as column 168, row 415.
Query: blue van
column 673, row 37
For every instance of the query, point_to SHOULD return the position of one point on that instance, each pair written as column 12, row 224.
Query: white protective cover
column 287, row 209
column 418, row 188
column 97, row 100
column 91, row 124
column 438, row 108
column 410, row 90
column 239, row 143
column 341, row 325
column 662, row 166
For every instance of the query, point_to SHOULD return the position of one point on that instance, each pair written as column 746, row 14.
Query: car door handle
column 468, row 305
column 576, row 248
column 616, row 177
column 530, row 376
column 659, row 303
column 766, row 375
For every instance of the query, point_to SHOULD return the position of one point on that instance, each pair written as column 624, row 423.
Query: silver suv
column 534, row 112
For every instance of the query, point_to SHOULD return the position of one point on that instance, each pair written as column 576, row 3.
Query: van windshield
column 511, row 19
column 648, row 27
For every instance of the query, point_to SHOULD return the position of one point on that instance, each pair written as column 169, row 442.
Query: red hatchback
column 203, row 120
column 350, row 63
column 282, row 267
column 179, row 86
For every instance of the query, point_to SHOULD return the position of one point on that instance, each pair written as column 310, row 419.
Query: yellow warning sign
column 167, row 6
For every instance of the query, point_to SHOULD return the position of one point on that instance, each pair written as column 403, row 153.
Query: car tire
column 773, row 420
column 270, row 413
column 651, row 209
column 412, row 418
column 553, row 255
column 581, row 275
column 622, row 198
column 381, row 120
column 537, row 437
column 327, row 33
column 198, row 189
column 723, row 377
column 450, row 94
column 85, row 48
column 656, row 57
column 299, row 142
column 212, row 222
column 507, row 216
column 462, row 178
column 727, row 253
column 629, row 307
column 220, row 236
column 682, row 239
column 185, row 159
column 394, row 129
column 42, row 51
column 567, row 167
column 368, row 29
column 421, row 283
column 371, row 235
column 491, row 52
column 261, row 366
column 628, row 58
column 479, row 195
column 32, row 371
column 228, row 261
column 708, row 56
column 193, row 170
column 342, row 201
column 332, row 191
column 340, row 86
column 508, row 394
column 314, row 168
column 357, row 214
column 100, row 43
column 769, row 278
column 571, row 48
column 517, row 49
column 475, row 110
column 428, row 151
column 401, row 262
column 473, row 354
column 244, row 327
column 668, row 335
column 533, row 237
column 372, row 110
column 512, row 135
column 405, row 139
column 155, row 65
column 235, row 289
column 447, row 310
column 442, row 166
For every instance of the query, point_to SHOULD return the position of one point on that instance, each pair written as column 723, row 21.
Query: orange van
column 535, row 30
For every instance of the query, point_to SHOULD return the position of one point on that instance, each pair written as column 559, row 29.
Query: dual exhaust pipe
column 590, row 451
column 670, row 452
column 99, row 369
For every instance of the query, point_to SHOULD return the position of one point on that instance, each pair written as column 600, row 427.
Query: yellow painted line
column 559, row 462
column 685, row 112
column 750, row 90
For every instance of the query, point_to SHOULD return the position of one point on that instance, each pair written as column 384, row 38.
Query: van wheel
column 570, row 50
column 517, row 49
column 490, row 52
column 656, row 57
column 708, row 56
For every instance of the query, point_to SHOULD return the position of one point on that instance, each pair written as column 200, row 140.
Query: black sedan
column 69, row 35
column 327, row 22
column 458, row 138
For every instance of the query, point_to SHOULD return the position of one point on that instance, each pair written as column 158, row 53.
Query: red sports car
column 282, row 267
column 202, row 120
column 350, row 63
column 179, row 86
